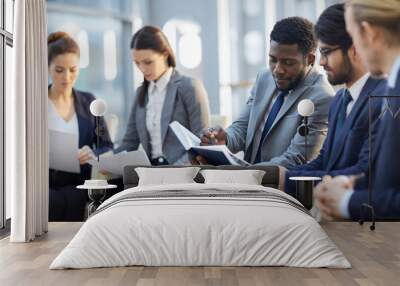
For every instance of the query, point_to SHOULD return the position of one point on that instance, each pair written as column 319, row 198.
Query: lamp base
column 96, row 192
column 304, row 190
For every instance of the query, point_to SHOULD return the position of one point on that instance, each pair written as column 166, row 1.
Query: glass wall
column 225, row 48
column 246, row 36
column 103, row 30
column 9, row 12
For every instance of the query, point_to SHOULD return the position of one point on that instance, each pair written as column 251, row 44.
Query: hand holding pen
column 210, row 136
column 213, row 136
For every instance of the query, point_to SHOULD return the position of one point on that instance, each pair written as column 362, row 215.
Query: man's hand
column 85, row 154
column 198, row 160
column 210, row 136
column 329, row 193
column 213, row 136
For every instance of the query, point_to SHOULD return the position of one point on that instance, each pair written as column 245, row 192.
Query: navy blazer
column 385, row 173
column 349, row 153
column 87, row 128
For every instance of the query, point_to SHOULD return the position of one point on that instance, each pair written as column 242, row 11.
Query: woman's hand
column 85, row 154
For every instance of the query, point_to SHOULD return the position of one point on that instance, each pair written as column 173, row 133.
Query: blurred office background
column 222, row 42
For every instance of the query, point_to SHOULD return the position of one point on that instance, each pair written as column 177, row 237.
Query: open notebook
column 214, row 154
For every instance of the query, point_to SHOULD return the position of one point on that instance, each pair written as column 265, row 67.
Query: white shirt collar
column 393, row 73
column 356, row 87
column 162, row 82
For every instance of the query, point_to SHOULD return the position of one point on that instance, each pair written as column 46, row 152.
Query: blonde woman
column 375, row 28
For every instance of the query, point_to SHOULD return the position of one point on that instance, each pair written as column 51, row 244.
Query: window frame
column 6, row 39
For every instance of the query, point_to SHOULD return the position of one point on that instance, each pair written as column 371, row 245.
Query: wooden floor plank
column 375, row 258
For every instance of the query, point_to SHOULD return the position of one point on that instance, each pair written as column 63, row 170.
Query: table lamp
column 96, row 188
column 98, row 108
column 305, row 185
column 304, row 189
column 305, row 108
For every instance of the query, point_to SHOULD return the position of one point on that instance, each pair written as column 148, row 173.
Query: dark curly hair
column 295, row 30
column 331, row 27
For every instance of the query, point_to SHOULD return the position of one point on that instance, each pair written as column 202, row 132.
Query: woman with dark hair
column 165, row 96
column 68, row 112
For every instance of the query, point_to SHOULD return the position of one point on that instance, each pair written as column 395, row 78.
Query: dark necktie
column 341, row 118
column 346, row 98
column 270, row 120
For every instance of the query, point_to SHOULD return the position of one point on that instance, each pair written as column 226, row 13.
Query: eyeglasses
column 327, row 51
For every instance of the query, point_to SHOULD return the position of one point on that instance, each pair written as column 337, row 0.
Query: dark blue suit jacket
column 385, row 173
column 87, row 127
column 348, row 154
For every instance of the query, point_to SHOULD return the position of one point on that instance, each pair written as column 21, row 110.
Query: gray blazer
column 186, row 101
column 282, row 145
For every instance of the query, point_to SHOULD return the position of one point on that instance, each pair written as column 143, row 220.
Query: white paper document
column 63, row 151
column 115, row 163
column 214, row 154
column 187, row 138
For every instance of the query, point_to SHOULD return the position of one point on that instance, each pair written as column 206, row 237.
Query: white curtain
column 26, row 124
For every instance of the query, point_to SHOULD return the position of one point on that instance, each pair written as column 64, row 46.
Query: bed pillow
column 166, row 176
column 248, row 177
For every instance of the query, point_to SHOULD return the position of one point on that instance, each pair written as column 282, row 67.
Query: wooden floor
column 375, row 257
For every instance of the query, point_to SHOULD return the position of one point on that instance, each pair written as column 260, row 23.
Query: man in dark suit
column 380, row 45
column 338, row 197
column 345, row 149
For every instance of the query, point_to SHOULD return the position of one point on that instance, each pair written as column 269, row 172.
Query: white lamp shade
column 305, row 107
column 98, row 107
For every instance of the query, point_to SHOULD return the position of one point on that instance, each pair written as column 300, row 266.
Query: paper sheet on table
column 115, row 163
column 63, row 153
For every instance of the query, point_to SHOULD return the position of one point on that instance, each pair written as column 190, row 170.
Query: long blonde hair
column 383, row 13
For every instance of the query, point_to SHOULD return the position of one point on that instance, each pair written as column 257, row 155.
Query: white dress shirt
column 57, row 123
column 157, row 92
column 393, row 73
column 355, row 91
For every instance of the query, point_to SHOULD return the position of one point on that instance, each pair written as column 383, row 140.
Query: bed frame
column 270, row 179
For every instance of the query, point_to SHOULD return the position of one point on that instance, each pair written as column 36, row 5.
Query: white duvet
column 183, row 231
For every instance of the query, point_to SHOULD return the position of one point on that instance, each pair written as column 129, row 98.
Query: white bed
column 224, row 225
